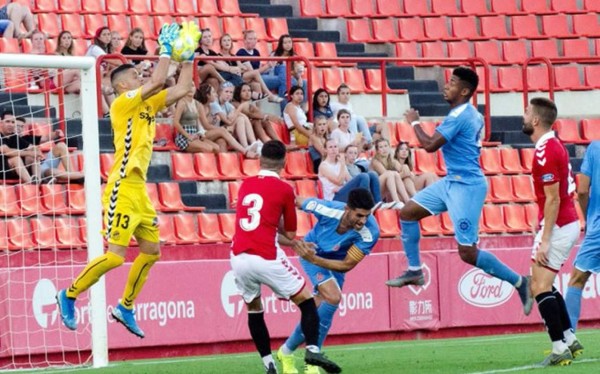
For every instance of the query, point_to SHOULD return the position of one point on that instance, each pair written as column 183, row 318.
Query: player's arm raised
column 168, row 34
column 186, row 75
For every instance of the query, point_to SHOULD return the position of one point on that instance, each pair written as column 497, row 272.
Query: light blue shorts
column 463, row 202
column 318, row 275
column 588, row 257
column 50, row 162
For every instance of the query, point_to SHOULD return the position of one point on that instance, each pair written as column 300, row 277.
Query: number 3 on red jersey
column 254, row 202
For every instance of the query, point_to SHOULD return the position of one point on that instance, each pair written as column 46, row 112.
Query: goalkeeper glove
column 168, row 34
column 190, row 29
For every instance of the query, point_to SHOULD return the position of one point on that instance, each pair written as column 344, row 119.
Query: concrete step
column 268, row 10
column 316, row 35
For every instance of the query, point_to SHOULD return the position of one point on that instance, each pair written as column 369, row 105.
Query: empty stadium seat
column 393, row 133
column 591, row 6
column 433, row 49
column 360, row 8
column 355, row 80
column 544, row 48
column 205, row 166
column 411, row 29
column 531, row 215
column 447, row 225
column 474, row 7
column 213, row 24
column 490, row 161
column 500, row 189
column 73, row 21
column 586, row 25
column 406, row 50
column 49, row 23
column 464, row 28
column 389, row 8
column 384, row 30
column 431, row 226
column 116, row 7
column 8, row 201
column 522, row 188
column 514, row 218
column 576, row 48
column 527, row 158
column 568, row 131
column 510, row 161
column 388, row 222
column 258, row 25
column 525, row 27
column 276, row 27
column 186, row 7
column 250, row 166
column 119, row 23
column 29, row 199
column 45, row 6
column 436, row 28
column 227, row 224
column 297, row 166
column 91, row 6
column 590, row 129
column 359, row 31
column 20, row 234
column 537, row 78
column 68, row 232
column 425, row 162
column 460, row 49
column 514, row 51
column 444, row 7
column 160, row 7
column 184, row 225
column 43, row 233
column 307, row 188
column 208, row 228
column 504, row 7
column 416, row 8
column 9, row 45
column 565, row 6
column 556, row 26
column 234, row 26
column 170, row 197
column 311, row 8
column 494, row 27
column 53, row 199
column 166, row 230
column 493, row 219
column 567, row 78
column 535, row 6
column 489, row 51
column 229, row 165
column 592, row 76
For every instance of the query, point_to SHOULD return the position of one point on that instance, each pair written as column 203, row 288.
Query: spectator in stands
column 343, row 135
column 265, row 69
column 261, row 122
column 18, row 14
column 321, row 107
column 317, row 141
column 248, row 75
column 232, row 118
column 206, row 94
column 71, row 78
column 115, row 41
column 295, row 118
column 13, row 150
column 37, row 77
column 357, row 122
column 38, row 43
column 370, row 179
column 297, row 76
column 210, row 71
column 135, row 44
column 101, row 46
column 405, row 166
column 389, row 177
column 7, row 29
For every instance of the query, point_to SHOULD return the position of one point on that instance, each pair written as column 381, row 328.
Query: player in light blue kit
column 344, row 234
column 461, row 193
column 588, row 257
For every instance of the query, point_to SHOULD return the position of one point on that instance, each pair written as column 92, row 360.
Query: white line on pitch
column 585, row 360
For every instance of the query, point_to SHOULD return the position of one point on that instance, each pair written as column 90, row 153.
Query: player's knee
column 538, row 286
column 468, row 254
column 578, row 279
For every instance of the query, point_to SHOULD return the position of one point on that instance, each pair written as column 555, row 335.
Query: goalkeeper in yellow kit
column 128, row 209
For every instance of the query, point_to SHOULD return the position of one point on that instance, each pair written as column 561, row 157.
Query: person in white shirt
column 357, row 122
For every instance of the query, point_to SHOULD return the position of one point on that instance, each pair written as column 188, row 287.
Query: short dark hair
column 273, row 151
column 360, row 198
column 468, row 76
column 21, row 119
column 343, row 111
column 120, row 69
column 7, row 112
column 545, row 109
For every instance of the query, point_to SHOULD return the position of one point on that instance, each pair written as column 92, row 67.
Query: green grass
column 488, row 354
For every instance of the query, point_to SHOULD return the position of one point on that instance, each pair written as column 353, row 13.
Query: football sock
column 491, row 265
column 573, row 302
column 326, row 313
column 564, row 315
column 137, row 277
column 268, row 359
column 294, row 340
column 411, row 234
column 309, row 321
column 259, row 333
column 550, row 312
column 93, row 271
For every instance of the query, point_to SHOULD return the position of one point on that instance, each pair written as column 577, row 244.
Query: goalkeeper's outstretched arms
column 185, row 81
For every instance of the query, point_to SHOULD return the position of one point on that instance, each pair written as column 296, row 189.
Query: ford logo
column 483, row 290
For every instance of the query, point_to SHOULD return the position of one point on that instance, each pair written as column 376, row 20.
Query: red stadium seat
column 416, row 8
column 250, row 167
column 460, row 49
column 361, row 8
column 205, row 165
column 68, row 6
column 106, row 162
column 304, row 223
column 514, row 51
column 233, row 188
column 152, row 191
column 211, row 23
column 297, row 166
column 490, row 161
column 522, row 188
column 20, row 234
column 91, row 7
column 181, row 169
column 68, row 232
column 493, row 219
column 590, row 129
column 384, row 31
column 138, row 7
column 514, row 218
column 208, row 228
column 527, row 158
column 332, row 78
column 388, row 222
column 92, row 22
column 230, row 7
column 54, row 199
column 80, row 47
column 567, row 78
column 592, row 76
column 141, row 21
column 464, row 28
column 565, row 6
column 116, row 7
column 504, row 7
column 258, row 25
column 425, row 162
column 359, row 31
column 355, row 80
column 389, row 8
column 307, row 188
column 447, row 225
column 433, row 49
column 166, row 230
column 186, row 7
column 304, row 49
column 556, row 26
column 406, row 50
column 436, row 28
column 544, row 48
column 510, row 161
column 500, row 189
column 208, row 8
column 373, row 80
column 431, row 226
column 444, row 7
column 49, row 23
column 45, row 6
column 535, row 6
column 531, row 215
column 229, row 165
column 537, row 78
column 8, row 201
column 160, row 7
column 119, row 23
column 44, row 233
column 164, row 135
column 9, row 45
column 185, row 228
column 316, row 79
column 568, row 131
column 576, row 48
column 474, row 7
column 393, row 133
column 510, row 79
column 227, row 224
column 311, row 8
column 525, row 27
column 411, row 29
column 170, row 198
column 276, row 27
column 591, row 6
column 234, row 26
column 489, row 51
column 494, row 27
column 586, row 25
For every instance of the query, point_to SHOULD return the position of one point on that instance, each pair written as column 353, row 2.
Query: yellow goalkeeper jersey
column 134, row 128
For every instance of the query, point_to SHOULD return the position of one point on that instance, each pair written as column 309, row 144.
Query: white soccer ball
column 183, row 48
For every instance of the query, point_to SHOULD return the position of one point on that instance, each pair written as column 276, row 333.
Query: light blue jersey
column 324, row 234
column 463, row 129
column 588, row 257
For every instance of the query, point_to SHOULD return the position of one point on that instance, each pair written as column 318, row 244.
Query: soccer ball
column 183, row 48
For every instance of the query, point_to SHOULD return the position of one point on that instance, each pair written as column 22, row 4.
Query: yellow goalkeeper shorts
column 128, row 212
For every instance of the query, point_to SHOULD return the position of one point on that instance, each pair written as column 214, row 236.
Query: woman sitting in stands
column 261, row 121
column 209, row 71
column 71, row 79
column 343, row 135
column 321, row 107
column 102, row 46
column 405, row 166
column 206, row 94
column 232, row 118
column 317, row 141
column 295, row 118
column 392, row 187
column 135, row 45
